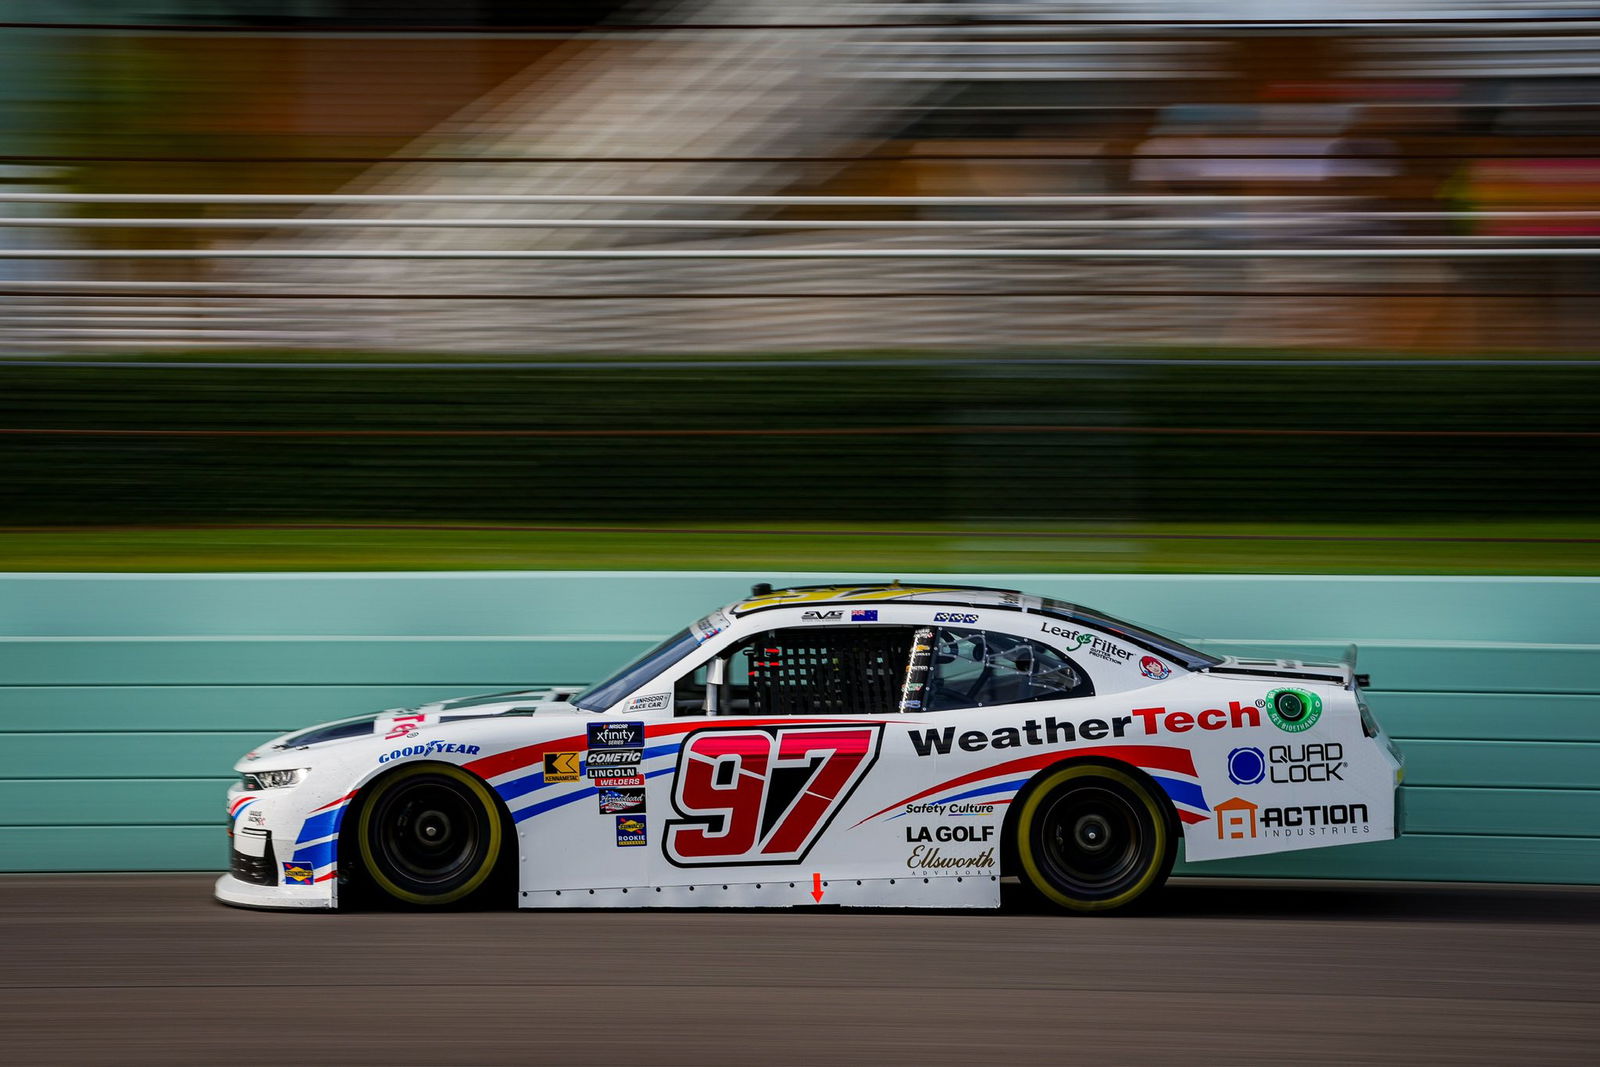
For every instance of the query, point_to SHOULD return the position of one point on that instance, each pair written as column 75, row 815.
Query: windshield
column 1191, row 658
column 602, row 695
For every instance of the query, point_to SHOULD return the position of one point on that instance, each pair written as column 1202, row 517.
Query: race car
column 861, row 745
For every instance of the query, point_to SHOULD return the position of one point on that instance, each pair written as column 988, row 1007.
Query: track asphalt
column 146, row 969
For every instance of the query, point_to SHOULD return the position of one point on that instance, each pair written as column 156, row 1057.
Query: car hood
column 401, row 722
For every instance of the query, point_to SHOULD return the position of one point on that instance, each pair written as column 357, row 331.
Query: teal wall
column 125, row 699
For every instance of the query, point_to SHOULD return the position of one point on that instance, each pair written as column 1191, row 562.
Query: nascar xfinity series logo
column 616, row 735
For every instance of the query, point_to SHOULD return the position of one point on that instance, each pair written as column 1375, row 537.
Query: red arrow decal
column 816, row 888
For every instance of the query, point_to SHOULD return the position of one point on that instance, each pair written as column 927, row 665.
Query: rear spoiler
column 1357, row 681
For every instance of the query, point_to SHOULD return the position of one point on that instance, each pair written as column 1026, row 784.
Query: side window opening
column 803, row 671
column 978, row 668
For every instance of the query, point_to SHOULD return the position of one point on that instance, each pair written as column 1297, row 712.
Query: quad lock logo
column 1287, row 764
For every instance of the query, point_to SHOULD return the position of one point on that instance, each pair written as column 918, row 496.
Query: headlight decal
column 273, row 779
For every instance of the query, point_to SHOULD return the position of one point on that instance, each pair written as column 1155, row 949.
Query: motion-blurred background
column 968, row 286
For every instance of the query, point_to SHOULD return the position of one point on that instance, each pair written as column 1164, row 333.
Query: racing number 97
column 750, row 796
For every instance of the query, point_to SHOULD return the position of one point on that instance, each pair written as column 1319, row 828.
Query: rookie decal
column 297, row 874
column 758, row 796
column 630, row 830
column 615, row 735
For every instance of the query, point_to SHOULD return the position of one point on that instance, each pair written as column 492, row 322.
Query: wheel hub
column 1092, row 833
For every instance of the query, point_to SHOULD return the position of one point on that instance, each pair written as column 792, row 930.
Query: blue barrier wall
column 125, row 699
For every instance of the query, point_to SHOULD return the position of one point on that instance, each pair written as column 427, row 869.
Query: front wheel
column 430, row 834
column 1091, row 837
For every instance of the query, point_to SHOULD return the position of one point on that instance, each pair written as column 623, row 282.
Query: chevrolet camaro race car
column 885, row 745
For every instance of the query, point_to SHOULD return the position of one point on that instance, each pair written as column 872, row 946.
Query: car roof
column 975, row 596
column 969, row 596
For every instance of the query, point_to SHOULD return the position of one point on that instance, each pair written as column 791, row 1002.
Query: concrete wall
column 125, row 699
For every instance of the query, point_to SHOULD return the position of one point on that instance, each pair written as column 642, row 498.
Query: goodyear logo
column 561, row 766
column 297, row 874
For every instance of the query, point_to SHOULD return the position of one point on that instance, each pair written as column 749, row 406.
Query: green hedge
column 942, row 465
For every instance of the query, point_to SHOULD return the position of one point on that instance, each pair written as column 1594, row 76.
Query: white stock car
column 885, row 745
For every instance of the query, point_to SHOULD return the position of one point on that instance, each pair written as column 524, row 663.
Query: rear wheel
column 430, row 834
column 1091, row 837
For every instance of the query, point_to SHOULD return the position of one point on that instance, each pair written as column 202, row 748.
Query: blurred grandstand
column 1438, row 148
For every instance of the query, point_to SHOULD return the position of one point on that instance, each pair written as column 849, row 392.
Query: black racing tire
column 430, row 834
column 1090, row 837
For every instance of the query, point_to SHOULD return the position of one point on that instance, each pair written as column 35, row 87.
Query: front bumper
column 231, row 890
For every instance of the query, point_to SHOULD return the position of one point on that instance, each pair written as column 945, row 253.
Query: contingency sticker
column 618, row 801
column 297, row 874
column 561, row 766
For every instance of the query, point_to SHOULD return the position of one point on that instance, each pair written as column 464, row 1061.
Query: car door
column 800, row 741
